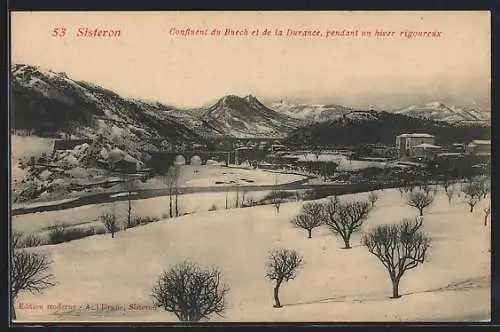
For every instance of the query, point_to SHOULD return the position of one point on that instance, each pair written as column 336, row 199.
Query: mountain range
column 48, row 103
column 436, row 110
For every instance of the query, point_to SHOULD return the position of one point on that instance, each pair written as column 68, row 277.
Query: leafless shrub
column 110, row 222
column 21, row 240
column 420, row 200
column 450, row 192
column 373, row 197
column 425, row 188
column 30, row 271
column 130, row 186
column 32, row 240
column 16, row 239
column 249, row 202
column 447, row 184
column 473, row 192
column 310, row 217
column 62, row 234
column 191, row 292
column 400, row 247
column 282, row 265
column 345, row 218
column 484, row 185
column 144, row 220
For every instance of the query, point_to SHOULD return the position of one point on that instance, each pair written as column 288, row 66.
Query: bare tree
column 130, row 186
column 345, row 218
column 30, row 271
column 446, row 183
column 450, row 192
column 172, row 182
column 227, row 194
column 110, row 222
column 191, row 292
column 237, row 198
column 373, row 197
column 176, row 175
column 484, row 185
column 282, row 265
column 400, row 247
column 310, row 217
column 472, row 191
column 420, row 200
column 243, row 197
column 487, row 211
column 276, row 199
column 16, row 239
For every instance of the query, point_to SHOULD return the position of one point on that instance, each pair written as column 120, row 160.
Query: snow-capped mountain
column 312, row 112
column 442, row 112
column 433, row 111
column 237, row 117
column 47, row 103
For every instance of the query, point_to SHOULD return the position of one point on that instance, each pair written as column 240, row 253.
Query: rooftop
column 417, row 135
column 427, row 146
column 481, row 142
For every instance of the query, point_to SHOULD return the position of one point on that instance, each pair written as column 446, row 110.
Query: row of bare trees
column 193, row 293
column 399, row 246
column 171, row 178
column 473, row 191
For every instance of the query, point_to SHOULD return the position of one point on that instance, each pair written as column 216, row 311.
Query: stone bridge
column 161, row 160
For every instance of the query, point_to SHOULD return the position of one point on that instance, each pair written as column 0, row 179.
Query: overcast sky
column 386, row 73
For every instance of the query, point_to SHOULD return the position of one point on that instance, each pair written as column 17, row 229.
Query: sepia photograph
column 250, row 166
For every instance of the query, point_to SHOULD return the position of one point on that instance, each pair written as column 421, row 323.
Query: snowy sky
column 147, row 62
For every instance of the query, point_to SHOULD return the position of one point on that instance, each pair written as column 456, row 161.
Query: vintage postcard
column 250, row 166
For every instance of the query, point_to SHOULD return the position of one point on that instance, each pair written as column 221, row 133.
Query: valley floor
column 335, row 284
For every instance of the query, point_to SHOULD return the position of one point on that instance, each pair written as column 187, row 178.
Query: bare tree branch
column 345, row 218
column 282, row 265
column 310, row 217
column 420, row 200
column 399, row 247
column 191, row 292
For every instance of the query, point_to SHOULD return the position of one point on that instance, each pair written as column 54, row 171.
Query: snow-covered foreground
column 334, row 285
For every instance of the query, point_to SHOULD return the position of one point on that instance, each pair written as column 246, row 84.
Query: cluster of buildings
column 422, row 147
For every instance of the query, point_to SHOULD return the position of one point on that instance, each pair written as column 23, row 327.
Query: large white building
column 406, row 142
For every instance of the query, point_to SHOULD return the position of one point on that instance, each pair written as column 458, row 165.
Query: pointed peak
column 250, row 98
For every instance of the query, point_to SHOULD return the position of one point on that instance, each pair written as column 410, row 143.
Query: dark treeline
column 382, row 127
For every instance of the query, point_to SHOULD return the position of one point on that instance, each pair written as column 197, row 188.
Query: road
column 322, row 190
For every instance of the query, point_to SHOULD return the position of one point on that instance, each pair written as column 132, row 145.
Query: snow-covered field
column 207, row 176
column 334, row 285
column 151, row 207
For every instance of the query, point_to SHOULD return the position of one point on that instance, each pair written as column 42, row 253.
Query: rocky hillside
column 238, row 117
column 382, row 127
column 49, row 104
